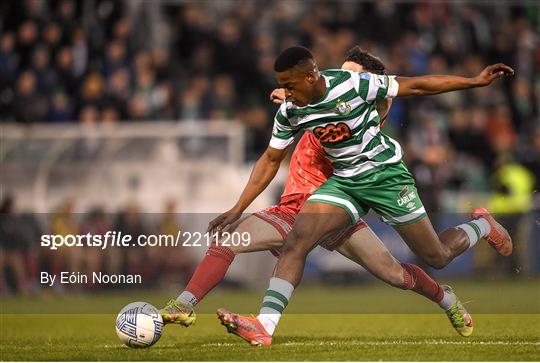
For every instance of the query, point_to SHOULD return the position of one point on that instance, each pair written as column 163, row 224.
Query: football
column 139, row 325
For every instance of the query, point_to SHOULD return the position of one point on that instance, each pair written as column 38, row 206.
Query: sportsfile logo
column 120, row 239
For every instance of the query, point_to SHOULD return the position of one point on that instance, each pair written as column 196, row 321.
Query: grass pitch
column 372, row 323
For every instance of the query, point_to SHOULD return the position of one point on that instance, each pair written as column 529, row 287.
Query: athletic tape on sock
column 187, row 298
column 472, row 231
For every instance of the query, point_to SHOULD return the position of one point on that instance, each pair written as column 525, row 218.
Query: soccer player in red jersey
column 309, row 168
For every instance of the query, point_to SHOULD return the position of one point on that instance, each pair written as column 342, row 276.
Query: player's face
column 352, row 66
column 298, row 85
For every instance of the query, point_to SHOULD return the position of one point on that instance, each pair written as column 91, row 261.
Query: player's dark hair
column 365, row 59
column 291, row 57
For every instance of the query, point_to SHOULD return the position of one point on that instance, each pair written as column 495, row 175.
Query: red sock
column 210, row 270
column 419, row 281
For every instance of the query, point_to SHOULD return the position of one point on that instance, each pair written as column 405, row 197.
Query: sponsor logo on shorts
column 407, row 200
column 411, row 205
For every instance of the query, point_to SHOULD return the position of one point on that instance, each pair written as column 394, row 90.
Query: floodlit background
column 114, row 109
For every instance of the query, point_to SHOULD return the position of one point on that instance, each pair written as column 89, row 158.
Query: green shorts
column 389, row 191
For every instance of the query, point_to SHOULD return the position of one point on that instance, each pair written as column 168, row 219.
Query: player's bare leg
column 314, row 221
column 263, row 236
column 366, row 249
column 213, row 267
column 439, row 250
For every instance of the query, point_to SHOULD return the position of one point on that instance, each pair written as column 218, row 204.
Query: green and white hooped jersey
column 345, row 121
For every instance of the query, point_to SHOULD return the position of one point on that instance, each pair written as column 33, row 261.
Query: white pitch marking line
column 404, row 342
column 383, row 343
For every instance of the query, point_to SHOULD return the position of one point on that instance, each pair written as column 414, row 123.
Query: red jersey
column 309, row 167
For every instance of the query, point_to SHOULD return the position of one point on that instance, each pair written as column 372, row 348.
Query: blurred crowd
column 103, row 61
column 22, row 258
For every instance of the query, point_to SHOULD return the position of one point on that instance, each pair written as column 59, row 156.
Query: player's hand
column 221, row 222
column 492, row 72
column 278, row 96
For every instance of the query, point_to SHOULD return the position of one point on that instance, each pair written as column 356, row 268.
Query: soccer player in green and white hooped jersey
column 339, row 108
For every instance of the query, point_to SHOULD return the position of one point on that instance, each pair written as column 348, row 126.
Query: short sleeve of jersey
column 377, row 87
column 283, row 132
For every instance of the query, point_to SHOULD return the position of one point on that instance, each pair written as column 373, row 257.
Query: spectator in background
column 27, row 40
column 177, row 263
column 109, row 115
column 89, row 115
column 122, row 31
column 222, row 101
column 67, row 80
column 523, row 102
column 146, row 92
column 513, row 186
column 80, row 51
column 115, row 58
column 9, row 57
column 61, row 109
column 31, row 234
column 52, row 36
column 118, row 91
column 9, row 60
column 161, row 64
column 500, row 130
column 91, row 144
column 164, row 98
column 64, row 222
column 66, row 16
column 92, row 91
column 427, row 145
column 511, row 199
column 13, row 249
column 530, row 158
column 472, row 153
column 29, row 104
column 192, row 99
column 233, row 54
column 130, row 222
column 258, row 129
column 94, row 222
column 45, row 74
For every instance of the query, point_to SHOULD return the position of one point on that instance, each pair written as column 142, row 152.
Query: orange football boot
column 498, row 237
column 248, row 328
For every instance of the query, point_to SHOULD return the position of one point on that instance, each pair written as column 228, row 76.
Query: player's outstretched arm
column 430, row 85
column 263, row 173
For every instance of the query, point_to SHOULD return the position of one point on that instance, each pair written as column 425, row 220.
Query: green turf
column 507, row 329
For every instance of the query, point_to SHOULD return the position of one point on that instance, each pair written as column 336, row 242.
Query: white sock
column 447, row 300
column 475, row 229
column 187, row 298
column 275, row 301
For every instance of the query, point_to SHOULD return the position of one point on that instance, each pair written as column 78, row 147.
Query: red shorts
column 283, row 215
